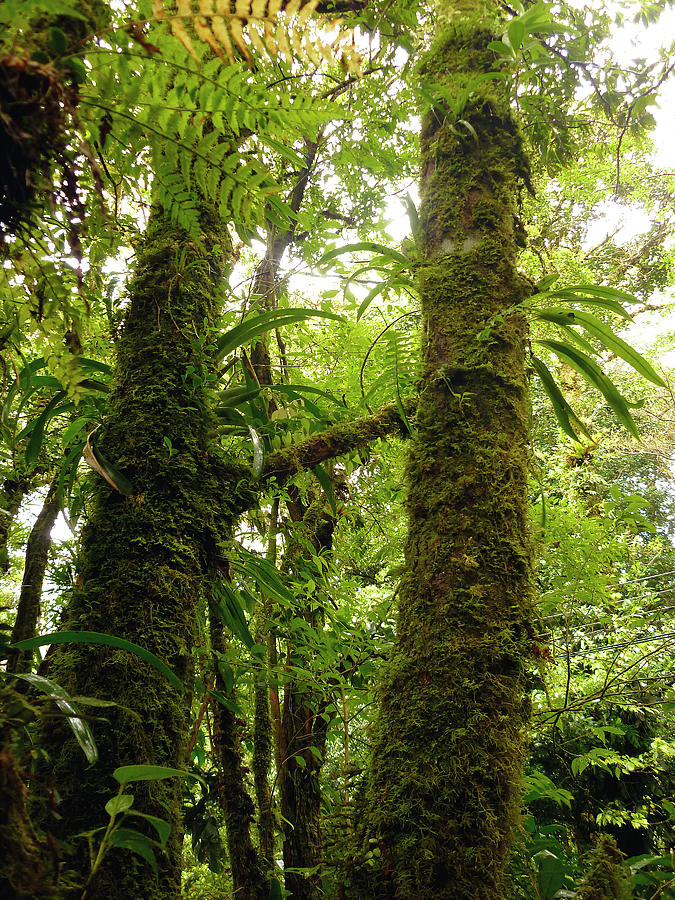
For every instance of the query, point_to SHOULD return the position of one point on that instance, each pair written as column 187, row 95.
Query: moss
column 608, row 878
column 144, row 557
column 442, row 793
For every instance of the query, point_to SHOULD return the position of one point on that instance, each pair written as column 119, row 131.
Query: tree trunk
column 443, row 790
column 144, row 555
column 37, row 552
column 13, row 492
column 262, row 723
column 249, row 881
column 304, row 727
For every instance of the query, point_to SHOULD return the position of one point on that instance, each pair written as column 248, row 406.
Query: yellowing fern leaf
column 276, row 27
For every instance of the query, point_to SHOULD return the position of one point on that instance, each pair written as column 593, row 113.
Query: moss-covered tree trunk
column 13, row 492
column 37, row 554
column 143, row 556
column 443, row 789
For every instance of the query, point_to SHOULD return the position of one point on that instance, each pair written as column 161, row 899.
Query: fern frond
column 275, row 27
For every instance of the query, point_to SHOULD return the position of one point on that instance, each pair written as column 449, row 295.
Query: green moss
column 442, row 793
column 608, row 877
column 144, row 557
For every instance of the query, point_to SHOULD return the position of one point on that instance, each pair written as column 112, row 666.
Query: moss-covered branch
column 338, row 440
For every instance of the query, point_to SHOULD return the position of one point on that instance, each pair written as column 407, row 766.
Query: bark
column 303, row 724
column 144, row 556
column 37, row 100
column 13, row 492
column 337, row 441
column 249, row 881
column 262, row 724
column 37, row 553
column 443, row 786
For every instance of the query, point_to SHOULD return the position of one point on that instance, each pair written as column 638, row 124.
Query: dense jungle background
column 337, row 502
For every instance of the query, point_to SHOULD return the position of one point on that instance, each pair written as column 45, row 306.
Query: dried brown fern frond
column 276, row 27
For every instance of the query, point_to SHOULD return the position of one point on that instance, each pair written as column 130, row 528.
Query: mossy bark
column 261, row 760
column 144, row 555
column 37, row 554
column 443, row 784
column 608, row 877
column 304, row 726
column 249, row 880
column 13, row 492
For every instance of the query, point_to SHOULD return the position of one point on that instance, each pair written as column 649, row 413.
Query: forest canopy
column 337, row 513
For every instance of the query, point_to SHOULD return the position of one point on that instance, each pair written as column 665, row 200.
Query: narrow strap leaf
column 109, row 640
column 561, row 408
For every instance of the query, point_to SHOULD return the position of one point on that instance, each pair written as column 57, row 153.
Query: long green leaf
column 595, row 377
column 590, row 295
column 618, row 346
column 109, row 640
column 327, row 485
column 232, row 613
column 37, row 434
column 388, row 252
column 83, row 733
column 294, row 390
column 259, row 324
column 237, row 395
column 563, row 411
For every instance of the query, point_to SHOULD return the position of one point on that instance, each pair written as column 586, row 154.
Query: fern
column 275, row 27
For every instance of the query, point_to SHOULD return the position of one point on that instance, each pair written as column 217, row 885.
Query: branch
column 338, row 440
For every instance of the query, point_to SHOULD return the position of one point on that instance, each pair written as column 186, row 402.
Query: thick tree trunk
column 442, row 795
column 37, row 553
column 144, row 555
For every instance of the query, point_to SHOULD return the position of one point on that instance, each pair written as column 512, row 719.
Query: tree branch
column 338, row 440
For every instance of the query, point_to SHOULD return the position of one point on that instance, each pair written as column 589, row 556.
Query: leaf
column 236, row 396
column 73, row 430
column 232, row 613
column 162, row 827
column 37, row 434
column 413, row 217
column 327, row 485
column 618, row 346
column 295, row 389
column 125, row 774
column 563, row 411
column 275, row 890
column 551, row 874
column 119, row 803
column 258, row 454
column 591, row 295
column 260, row 324
column 594, row 375
column 130, row 839
column 98, row 462
column 109, row 640
column 388, row 252
column 83, row 733
column 57, row 41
